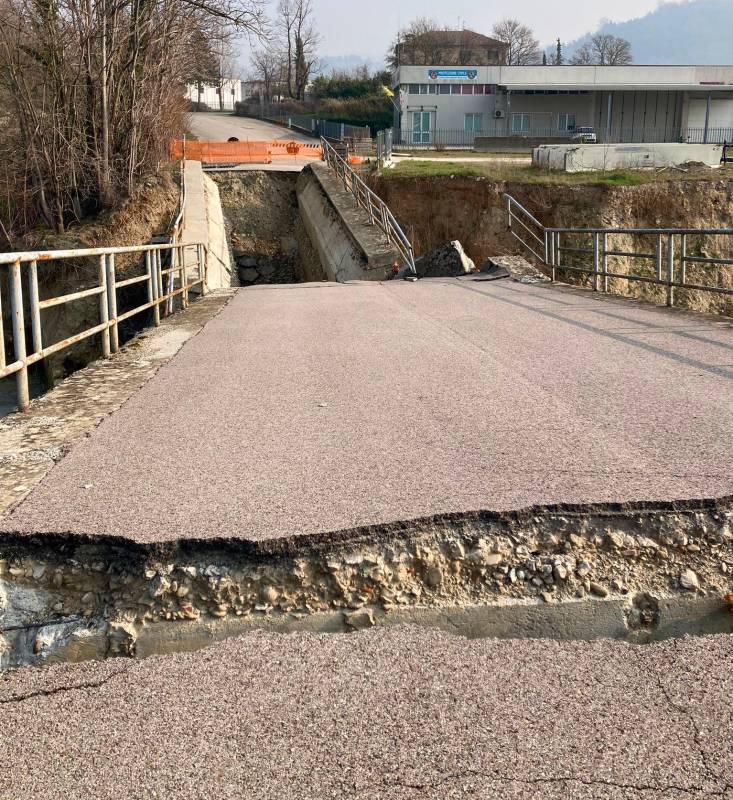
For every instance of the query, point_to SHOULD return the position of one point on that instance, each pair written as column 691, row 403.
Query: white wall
column 721, row 111
column 231, row 91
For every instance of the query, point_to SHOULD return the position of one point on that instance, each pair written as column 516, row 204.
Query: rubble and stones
column 448, row 261
column 89, row 589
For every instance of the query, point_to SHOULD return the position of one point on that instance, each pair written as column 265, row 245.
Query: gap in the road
column 268, row 241
column 631, row 573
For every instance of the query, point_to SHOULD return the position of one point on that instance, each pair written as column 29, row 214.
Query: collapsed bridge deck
column 305, row 409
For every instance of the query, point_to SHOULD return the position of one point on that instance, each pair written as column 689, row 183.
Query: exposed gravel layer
column 399, row 713
column 314, row 408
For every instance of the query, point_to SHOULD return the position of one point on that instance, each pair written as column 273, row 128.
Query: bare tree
column 306, row 41
column 96, row 92
column 523, row 47
column 266, row 65
column 604, row 49
column 299, row 40
column 419, row 42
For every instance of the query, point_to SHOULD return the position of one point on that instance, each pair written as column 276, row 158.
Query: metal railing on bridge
column 162, row 265
column 23, row 268
column 376, row 208
column 671, row 254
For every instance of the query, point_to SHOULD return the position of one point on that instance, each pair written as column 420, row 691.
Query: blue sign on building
column 452, row 74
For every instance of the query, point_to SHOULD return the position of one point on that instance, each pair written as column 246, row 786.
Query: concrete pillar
column 707, row 119
column 609, row 116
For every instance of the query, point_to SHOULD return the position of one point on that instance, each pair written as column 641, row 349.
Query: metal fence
column 668, row 253
column 384, row 145
column 311, row 125
column 449, row 139
column 379, row 213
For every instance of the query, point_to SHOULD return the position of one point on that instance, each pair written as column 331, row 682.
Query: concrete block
column 604, row 157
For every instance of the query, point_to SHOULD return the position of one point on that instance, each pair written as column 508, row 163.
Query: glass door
column 421, row 127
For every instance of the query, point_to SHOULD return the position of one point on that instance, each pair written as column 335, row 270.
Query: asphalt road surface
column 319, row 407
column 388, row 714
column 220, row 125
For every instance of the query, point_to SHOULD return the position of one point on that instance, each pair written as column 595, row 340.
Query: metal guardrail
column 668, row 250
column 379, row 213
column 106, row 288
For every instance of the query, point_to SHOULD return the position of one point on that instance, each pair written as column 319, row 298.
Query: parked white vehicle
column 585, row 135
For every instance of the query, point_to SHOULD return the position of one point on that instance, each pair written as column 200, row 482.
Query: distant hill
column 695, row 32
column 327, row 64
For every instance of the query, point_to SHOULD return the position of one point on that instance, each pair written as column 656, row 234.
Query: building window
column 566, row 122
column 520, row 123
column 444, row 88
column 473, row 122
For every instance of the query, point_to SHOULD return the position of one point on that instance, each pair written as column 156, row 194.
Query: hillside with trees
column 695, row 32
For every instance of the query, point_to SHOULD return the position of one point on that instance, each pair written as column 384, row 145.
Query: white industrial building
column 622, row 104
column 215, row 96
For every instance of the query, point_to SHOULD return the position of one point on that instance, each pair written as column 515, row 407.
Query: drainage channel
column 636, row 573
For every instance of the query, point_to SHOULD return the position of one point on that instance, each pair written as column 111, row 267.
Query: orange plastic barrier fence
column 246, row 152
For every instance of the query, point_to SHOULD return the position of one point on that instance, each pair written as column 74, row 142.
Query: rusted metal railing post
column 112, row 304
column 104, row 306
column 201, row 267
column 16, row 310
column 2, row 336
column 670, row 270
column 183, row 276
column 35, row 308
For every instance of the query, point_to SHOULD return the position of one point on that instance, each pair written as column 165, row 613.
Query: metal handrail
column 379, row 213
column 106, row 288
column 671, row 254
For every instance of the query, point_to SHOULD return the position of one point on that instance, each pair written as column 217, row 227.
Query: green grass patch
column 426, row 155
column 436, row 169
column 526, row 173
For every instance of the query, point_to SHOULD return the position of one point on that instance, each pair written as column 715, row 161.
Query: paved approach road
column 388, row 714
column 220, row 125
column 311, row 408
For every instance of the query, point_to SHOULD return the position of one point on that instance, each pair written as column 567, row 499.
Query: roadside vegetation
column 357, row 97
column 92, row 92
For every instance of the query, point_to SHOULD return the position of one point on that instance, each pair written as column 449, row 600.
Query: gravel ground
column 388, row 713
column 319, row 407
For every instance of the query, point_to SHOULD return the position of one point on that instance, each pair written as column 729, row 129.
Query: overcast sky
column 367, row 26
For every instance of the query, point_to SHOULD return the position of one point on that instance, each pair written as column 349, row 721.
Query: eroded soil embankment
column 433, row 211
column 67, row 598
